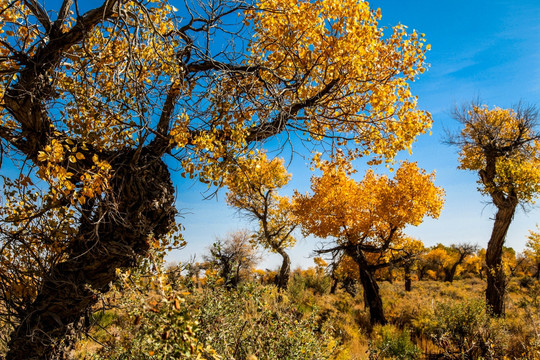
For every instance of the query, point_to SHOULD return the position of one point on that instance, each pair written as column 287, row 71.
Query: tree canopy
column 253, row 190
column 367, row 218
column 93, row 99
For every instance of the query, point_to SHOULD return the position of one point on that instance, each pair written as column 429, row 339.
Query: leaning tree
column 253, row 187
column 503, row 146
column 98, row 104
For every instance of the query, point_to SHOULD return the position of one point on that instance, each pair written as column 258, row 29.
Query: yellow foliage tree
column 367, row 218
column 533, row 250
column 502, row 145
column 93, row 99
column 253, row 190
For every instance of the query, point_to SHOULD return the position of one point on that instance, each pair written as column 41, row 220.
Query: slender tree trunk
column 282, row 280
column 421, row 272
column 349, row 284
column 333, row 288
column 334, row 279
column 496, row 281
column 139, row 206
column 408, row 279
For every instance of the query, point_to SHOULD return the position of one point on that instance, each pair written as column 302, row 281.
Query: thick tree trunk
column 372, row 296
column 496, row 282
column 138, row 207
column 282, row 280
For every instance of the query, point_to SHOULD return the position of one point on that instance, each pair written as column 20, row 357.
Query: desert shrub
column 464, row 330
column 524, row 325
column 392, row 343
column 311, row 279
column 258, row 321
column 146, row 319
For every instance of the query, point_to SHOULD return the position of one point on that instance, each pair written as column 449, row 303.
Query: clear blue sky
column 480, row 48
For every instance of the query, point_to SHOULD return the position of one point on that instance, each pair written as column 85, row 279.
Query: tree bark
column 282, row 281
column 333, row 288
column 138, row 207
column 450, row 273
column 408, row 279
column 374, row 301
column 496, row 281
column 371, row 290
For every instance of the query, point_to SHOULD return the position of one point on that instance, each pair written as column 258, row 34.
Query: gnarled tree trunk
column 282, row 280
column 118, row 229
column 496, row 280
column 371, row 290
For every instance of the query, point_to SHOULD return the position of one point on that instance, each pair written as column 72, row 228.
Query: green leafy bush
column 256, row 321
column 464, row 330
column 392, row 343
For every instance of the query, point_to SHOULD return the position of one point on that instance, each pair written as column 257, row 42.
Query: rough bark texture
column 496, row 281
column 371, row 291
column 138, row 206
column 282, row 280
column 506, row 207
column 408, row 279
column 374, row 302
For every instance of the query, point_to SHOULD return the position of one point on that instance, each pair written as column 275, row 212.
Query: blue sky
column 479, row 49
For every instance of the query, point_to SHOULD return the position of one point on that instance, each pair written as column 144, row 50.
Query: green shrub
column 393, row 343
column 464, row 330
column 259, row 321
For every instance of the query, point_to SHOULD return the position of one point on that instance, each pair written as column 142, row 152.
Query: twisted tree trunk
column 371, row 290
column 496, row 280
column 282, row 280
column 138, row 206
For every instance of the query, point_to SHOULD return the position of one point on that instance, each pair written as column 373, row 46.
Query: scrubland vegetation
column 189, row 312
column 107, row 112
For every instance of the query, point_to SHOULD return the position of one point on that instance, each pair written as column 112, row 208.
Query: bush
column 466, row 331
column 258, row 321
column 392, row 343
column 148, row 321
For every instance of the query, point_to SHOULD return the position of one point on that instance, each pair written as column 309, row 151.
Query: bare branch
column 39, row 13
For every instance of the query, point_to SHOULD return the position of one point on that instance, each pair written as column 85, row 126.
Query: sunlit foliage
column 93, row 99
column 367, row 218
column 503, row 146
column 253, row 190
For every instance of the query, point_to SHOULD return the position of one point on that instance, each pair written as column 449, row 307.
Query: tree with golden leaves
column 503, row 146
column 97, row 103
column 367, row 218
column 253, row 187
column 532, row 250
column 455, row 255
